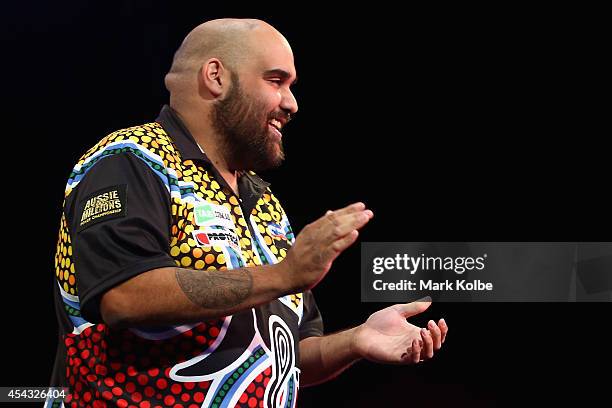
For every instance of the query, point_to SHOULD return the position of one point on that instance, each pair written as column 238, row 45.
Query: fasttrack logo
column 404, row 262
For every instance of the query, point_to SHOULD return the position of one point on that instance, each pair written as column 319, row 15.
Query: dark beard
column 245, row 144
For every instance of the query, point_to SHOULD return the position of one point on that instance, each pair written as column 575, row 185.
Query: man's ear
column 214, row 76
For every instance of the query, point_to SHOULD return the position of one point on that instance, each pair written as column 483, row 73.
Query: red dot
column 122, row 403
column 130, row 387
column 259, row 392
column 81, row 344
column 189, row 385
column 84, row 370
column 176, row 389
column 109, row 382
column 243, row 398
column 87, row 396
column 145, row 404
column 200, row 339
column 137, row 397
column 149, row 392
column 268, row 371
column 169, row 400
column 107, row 395
column 198, row 397
column 96, row 337
column 131, row 371
column 252, row 402
column 251, row 388
column 213, row 331
column 120, row 377
column 142, row 379
column 161, row 384
column 100, row 369
column 266, row 381
column 115, row 366
column 153, row 372
column 117, row 391
column 91, row 378
column 185, row 397
column 85, row 354
column 258, row 378
column 99, row 404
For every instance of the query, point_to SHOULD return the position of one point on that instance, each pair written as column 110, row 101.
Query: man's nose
column 288, row 102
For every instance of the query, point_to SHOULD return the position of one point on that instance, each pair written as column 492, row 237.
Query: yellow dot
column 206, row 249
column 70, row 250
column 189, row 229
column 65, row 286
column 242, row 222
column 197, row 253
column 174, row 251
column 274, row 250
column 191, row 242
column 134, row 139
column 267, row 240
column 146, row 139
column 72, row 268
column 185, row 248
column 261, row 229
column 214, row 185
column 283, row 252
column 210, row 258
column 67, row 262
column 221, row 258
column 217, row 248
column 245, row 241
column 138, row 133
column 266, row 217
column 66, row 275
column 63, row 263
column 72, row 291
column 199, row 264
column 57, row 273
column 233, row 200
column 64, row 250
column 185, row 261
column 237, row 211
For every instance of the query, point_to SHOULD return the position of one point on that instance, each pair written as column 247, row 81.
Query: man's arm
column 386, row 337
column 176, row 295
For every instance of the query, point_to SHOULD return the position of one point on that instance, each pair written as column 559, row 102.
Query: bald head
column 232, row 41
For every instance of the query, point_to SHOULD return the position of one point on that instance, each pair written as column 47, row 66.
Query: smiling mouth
column 276, row 127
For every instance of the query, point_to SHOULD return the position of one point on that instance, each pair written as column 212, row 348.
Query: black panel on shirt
column 115, row 247
column 312, row 323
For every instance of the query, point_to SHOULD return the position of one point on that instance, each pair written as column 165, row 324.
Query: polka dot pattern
column 119, row 368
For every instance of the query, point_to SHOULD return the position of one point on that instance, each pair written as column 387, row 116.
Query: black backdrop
column 451, row 124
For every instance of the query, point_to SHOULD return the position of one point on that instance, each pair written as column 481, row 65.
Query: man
column 180, row 282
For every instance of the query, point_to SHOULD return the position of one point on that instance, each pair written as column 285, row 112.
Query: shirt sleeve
column 119, row 220
column 312, row 322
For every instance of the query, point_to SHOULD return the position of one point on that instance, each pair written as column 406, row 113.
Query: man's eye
column 276, row 81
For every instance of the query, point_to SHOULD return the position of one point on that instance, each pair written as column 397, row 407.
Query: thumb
column 413, row 308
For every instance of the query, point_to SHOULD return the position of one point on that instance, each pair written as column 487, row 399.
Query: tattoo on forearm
column 215, row 289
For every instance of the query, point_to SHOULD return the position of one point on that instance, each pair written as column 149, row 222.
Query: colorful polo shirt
column 144, row 198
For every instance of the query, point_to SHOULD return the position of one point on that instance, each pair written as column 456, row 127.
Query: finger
column 343, row 243
column 345, row 224
column 435, row 334
column 443, row 329
column 416, row 351
column 410, row 309
column 428, row 347
column 349, row 209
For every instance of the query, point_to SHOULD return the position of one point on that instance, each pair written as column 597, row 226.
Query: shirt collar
column 173, row 125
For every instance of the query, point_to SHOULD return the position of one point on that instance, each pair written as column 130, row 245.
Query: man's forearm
column 323, row 358
column 177, row 296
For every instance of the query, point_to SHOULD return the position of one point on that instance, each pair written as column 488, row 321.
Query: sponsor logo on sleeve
column 103, row 205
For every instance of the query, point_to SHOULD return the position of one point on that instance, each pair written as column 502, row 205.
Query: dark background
column 465, row 124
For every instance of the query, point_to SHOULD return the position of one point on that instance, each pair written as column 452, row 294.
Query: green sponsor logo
column 203, row 213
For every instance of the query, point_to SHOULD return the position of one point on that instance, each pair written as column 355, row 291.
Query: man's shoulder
column 148, row 142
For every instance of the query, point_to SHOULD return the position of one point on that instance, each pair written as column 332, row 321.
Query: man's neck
column 208, row 141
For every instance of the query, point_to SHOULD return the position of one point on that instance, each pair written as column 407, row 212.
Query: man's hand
column 386, row 337
column 320, row 242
